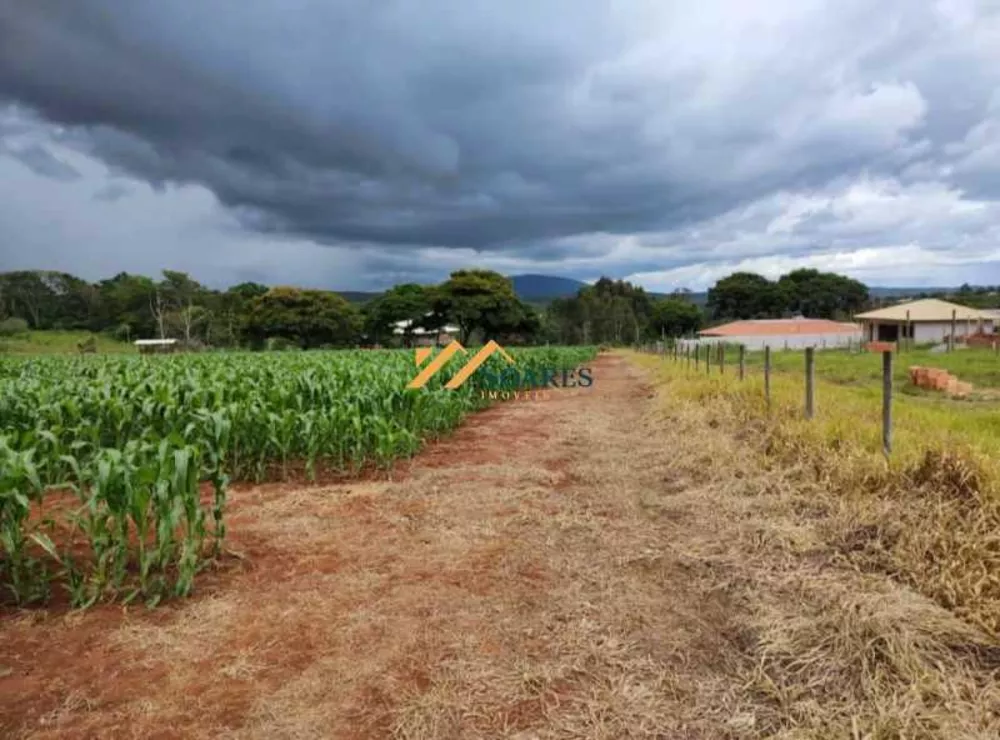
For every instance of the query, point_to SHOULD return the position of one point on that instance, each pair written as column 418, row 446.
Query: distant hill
column 545, row 287
column 878, row 292
column 357, row 296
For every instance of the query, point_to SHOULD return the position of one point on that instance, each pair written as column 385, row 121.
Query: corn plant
column 132, row 440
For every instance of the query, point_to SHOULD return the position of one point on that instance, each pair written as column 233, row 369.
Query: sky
column 352, row 145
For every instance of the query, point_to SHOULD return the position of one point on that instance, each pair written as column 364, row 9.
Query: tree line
column 129, row 307
column 479, row 304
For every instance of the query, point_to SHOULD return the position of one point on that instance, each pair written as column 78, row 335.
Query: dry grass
column 617, row 564
column 871, row 591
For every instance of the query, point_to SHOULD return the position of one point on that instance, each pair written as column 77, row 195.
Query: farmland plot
column 142, row 451
column 616, row 561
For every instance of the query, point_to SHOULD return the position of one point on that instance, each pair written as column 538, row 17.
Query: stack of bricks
column 880, row 347
column 982, row 340
column 936, row 379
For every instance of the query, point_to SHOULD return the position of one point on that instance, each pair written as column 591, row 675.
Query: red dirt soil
column 99, row 672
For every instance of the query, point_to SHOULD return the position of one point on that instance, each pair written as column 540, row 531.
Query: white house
column 927, row 320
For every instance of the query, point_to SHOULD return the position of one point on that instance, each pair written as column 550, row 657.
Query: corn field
column 114, row 470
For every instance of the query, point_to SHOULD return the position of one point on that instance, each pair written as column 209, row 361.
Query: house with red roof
column 796, row 333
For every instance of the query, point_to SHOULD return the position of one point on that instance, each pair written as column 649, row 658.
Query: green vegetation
column 482, row 304
column 818, row 295
column 59, row 342
column 981, row 367
column 128, row 307
column 616, row 312
column 308, row 318
column 983, row 296
column 114, row 470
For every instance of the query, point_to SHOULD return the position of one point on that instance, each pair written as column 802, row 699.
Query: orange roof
column 780, row 326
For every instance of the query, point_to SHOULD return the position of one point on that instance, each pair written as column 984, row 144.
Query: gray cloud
column 573, row 135
column 112, row 191
column 40, row 160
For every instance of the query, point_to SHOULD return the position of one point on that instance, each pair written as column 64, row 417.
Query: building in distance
column 926, row 320
column 421, row 337
column 795, row 333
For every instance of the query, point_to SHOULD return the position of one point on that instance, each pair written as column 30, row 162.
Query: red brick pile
column 880, row 347
column 982, row 340
column 936, row 379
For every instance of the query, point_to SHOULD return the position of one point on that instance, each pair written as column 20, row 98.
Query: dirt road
column 567, row 568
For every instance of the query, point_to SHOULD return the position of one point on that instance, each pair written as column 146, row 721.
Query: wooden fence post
column 722, row 359
column 810, row 382
column 767, row 375
column 887, row 403
column 743, row 362
column 951, row 339
column 697, row 356
column 708, row 359
column 909, row 332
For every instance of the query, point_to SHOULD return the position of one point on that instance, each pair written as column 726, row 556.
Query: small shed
column 926, row 320
column 153, row 346
column 794, row 333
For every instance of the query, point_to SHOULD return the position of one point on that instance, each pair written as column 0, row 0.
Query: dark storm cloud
column 431, row 123
column 40, row 160
column 524, row 132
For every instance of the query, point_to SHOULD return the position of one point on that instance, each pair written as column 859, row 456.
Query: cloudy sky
column 353, row 144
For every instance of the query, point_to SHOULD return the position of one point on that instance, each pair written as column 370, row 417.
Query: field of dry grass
column 615, row 562
column 898, row 635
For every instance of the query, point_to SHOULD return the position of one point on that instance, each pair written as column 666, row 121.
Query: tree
column 409, row 302
column 158, row 308
column 28, row 295
column 246, row 292
column 226, row 311
column 746, row 295
column 609, row 311
column 179, row 303
column 126, row 300
column 675, row 316
column 811, row 293
column 823, row 295
column 479, row 300
column 311, row 318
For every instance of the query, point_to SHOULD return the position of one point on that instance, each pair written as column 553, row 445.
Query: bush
column 191, row 345
column 277, row 344
column 12, row 327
